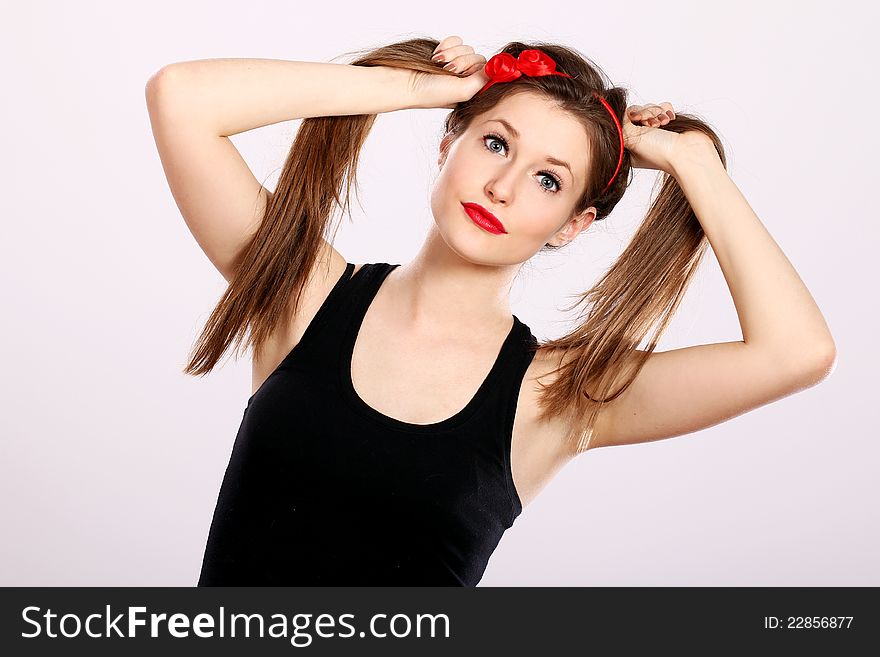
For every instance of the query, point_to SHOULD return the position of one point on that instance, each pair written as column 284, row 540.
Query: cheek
column 439, row 196
column 451, row 186
column 542, row 227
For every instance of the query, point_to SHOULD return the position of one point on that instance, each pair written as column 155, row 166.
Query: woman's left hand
column 650, row 147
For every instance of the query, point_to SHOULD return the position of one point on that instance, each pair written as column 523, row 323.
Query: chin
column 474, row 245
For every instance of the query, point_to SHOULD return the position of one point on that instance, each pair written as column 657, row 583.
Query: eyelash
column 549, row 174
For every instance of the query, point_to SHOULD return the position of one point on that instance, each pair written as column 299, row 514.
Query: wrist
column 694, row 150
column 399, row 83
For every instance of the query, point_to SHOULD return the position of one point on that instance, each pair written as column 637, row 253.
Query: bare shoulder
column 554, row 433
column 539, row 447
column 546, row 436
column 328, row 269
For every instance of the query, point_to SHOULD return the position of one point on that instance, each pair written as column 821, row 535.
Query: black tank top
column 323, row 490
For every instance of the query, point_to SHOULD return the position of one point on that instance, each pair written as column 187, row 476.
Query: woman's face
column 505, row 170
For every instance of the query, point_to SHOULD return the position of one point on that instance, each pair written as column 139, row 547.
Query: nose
column 500, row 188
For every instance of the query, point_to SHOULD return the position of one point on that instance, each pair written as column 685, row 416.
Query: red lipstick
column 483, row 218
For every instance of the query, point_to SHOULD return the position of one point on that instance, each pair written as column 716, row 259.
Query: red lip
column 486, row 216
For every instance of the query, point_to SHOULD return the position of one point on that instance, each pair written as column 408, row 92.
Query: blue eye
column 548, row 174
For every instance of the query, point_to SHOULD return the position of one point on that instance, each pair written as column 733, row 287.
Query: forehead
column 543, row 128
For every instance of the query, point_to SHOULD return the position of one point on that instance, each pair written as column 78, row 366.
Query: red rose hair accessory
column 535, row 63
column 504, row 68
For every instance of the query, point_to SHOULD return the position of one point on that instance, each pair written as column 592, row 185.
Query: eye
column 548, row 174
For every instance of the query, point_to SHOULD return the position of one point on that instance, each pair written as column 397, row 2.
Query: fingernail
column 450, row 67
column 437, row 59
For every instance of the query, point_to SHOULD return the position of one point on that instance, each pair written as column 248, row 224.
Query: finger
column 644, row 112
column 644, row 117
column 448, row 42
column 470, row 64
column 668, row 109
column 634, row 114
column 449, row 54
column 664, row 109
column 648, row 117
column 465, row 63
column 657, row 115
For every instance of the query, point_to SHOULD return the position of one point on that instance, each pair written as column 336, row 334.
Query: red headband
column 535, row 63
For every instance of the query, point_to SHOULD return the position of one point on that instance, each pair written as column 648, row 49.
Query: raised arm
column 786, row 343
column 195, row 106
column 235, row 95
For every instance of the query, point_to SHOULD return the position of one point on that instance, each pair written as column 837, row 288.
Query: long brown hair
column 643, row 288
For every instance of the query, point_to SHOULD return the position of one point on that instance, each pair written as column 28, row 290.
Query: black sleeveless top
column 324, row 490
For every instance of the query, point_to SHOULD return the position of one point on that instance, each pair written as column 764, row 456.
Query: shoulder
column 542, row 372
column 550, row 433
column 328, row 270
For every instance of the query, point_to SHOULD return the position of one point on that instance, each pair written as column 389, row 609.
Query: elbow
column 804, row 366
column 151, row 89
column 817, row 365
column 826, row 360
column 157, row 83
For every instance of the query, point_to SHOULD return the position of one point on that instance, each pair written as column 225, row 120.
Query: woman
column 401, row 416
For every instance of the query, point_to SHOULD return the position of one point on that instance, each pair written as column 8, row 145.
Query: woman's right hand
column 447, row 90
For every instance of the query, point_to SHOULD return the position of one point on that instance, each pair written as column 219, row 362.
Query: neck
column 442, row 294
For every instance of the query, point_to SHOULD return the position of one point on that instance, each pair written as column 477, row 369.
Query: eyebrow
column 550, row 158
